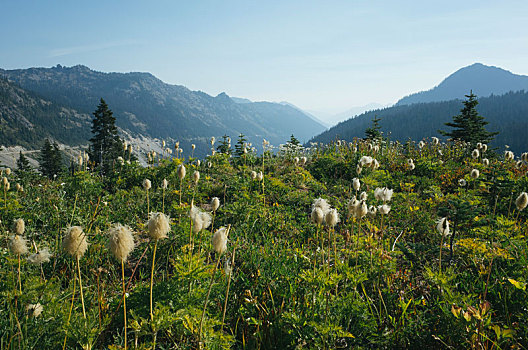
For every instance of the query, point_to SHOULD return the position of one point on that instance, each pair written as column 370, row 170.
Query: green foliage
column 50, row 160
column 369, row 282
column 469, row 125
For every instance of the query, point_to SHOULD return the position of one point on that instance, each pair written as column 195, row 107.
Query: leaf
column 517, row 284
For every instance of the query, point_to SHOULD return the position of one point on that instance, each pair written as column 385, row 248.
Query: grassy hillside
column 369, row 280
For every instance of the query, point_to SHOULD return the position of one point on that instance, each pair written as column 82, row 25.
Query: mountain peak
column 483, row 80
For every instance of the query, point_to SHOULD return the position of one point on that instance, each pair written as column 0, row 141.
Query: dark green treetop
column 105, row 145
column 469, row 126
column 50, row 160
column 225, row 145
column 373, row 132
column 240, row 145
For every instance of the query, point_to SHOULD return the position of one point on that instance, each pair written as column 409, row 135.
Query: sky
column 322, row 56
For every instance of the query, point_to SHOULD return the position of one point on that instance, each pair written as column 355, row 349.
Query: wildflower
column 356, row 184
column 352, row 207
column 220, row 240
column 209, row 164
column 485, row 161
column 462, row 183
column 479, row 145
column 332, row 218
column 198, row 163
column 442, row 226
column 260, row 176
column 384, row 209
column 18, row 245
column 365, row 161
column 296, row 160
column 521, row 201
column 474, row 174
column 19, row 226
column 35, row 309
column 317, row 215
column 410, row 161
column 375, row 164
column 215, row 203
column 164, row 184
column 508, row 155
column 475, row 154
column 193, row 146
column 421, row 144
column 158, row 226
column 303, row 160
column 412, row 166
column 120, row 160
column 74, row 242
column 121, row 241
column 484, row 148
column 363, row 196
column 201, row 220
column 196, row 177
column 519, row 164
column 181, row 171
column 8, row 171
column 372, row 211
column 436, row 140
column 383, row 194
column 212, row 141
column 321, row 203
column 361, row 210
column 147, row 184
column 359, row 169
column 40, row 257
column 253, row 175
column 524, row 157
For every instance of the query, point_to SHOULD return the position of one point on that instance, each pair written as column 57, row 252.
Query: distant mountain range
column 145, row 106
column 421, row 115
column 483, row 80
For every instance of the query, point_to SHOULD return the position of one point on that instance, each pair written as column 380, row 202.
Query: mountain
column 352, row 112
column 146, row 106
column 313, row 117
column 26, row 119
column 507, row 114
column 483, row 80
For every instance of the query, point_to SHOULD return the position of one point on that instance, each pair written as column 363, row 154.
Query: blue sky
column 325, row 56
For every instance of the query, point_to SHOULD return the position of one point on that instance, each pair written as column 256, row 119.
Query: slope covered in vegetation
column 384, row 277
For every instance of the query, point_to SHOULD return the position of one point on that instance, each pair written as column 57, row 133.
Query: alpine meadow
column 278, row 175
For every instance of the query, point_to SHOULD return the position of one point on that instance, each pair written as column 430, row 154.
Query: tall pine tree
column 50, row 160
column 469, row 125
column 106, row 145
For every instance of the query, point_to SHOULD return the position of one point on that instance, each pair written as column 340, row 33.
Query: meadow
column 363, row 244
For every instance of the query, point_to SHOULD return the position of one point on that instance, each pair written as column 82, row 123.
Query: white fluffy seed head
column 19, row 226
column 485, row 161
column 181, row 171
column 8, row 171
column 260, row 176
column 200, row 219
column 253, row 175
column 365, row 161
column 17, row 245
column 40, row 257
column 196, row 177
column 164, row 184
column 521, row 201
column 147, row 185
column 296, row 160
column 34, row 309
column 220, row 240
column 356, row 184
column 322, row 204
column 508, row 155
column 475, row 174
column 74, row 242
column 352, row 207
column 303, row 160
column 5, row 181
column 421, row 144
column 361, row 210
column 475, row 154
column 332, row 218
column 158, row 225
column 479, row 145
column 524, row 157
column 215, row 203
column 317, row 215
column 372, row 211
column 462, row 183
column 120, row 241
column 384, row 209
column 363, row 196
column 442, row 226
column 436, row 140
column 193, row 146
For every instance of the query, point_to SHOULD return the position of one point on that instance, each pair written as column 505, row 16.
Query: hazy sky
column 319, row 55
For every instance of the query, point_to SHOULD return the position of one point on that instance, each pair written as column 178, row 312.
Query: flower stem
column 124, row 300
column 152, row 279
column 207, row 298
column 80, row 287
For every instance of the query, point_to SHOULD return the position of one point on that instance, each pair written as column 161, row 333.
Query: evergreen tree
column 106, row 145
column 240, row 145
column 23, row 164
column 373, row 132
column 225, row 145
column 469, row 125
column 294, row 141
column 50, row 160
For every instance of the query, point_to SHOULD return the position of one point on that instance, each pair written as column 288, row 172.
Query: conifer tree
column 23, row 164
column 225, row 145
column 106, row 145
column 469, row 125
column 50, row 160
column 240, row 145
column 374, row 132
